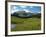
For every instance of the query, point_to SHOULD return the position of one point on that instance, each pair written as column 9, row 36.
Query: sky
column 32, row 9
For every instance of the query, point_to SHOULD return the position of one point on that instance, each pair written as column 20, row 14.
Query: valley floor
column 25, row 24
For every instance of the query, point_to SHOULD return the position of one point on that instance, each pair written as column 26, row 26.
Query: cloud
column 39, row 12
column 23, row 6
column 26, row 10
column 31, row 7
column 14, row 7
column 14, row 10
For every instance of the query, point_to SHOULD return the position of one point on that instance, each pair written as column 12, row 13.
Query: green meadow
column 25, row 24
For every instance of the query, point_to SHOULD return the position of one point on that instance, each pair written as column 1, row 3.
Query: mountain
column 24, row 14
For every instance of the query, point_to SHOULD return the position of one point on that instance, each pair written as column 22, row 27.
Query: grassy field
column 25, row 24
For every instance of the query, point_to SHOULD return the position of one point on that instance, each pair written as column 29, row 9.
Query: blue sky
column 33, row 9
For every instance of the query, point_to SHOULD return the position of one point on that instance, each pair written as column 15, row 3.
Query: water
column 13, row 26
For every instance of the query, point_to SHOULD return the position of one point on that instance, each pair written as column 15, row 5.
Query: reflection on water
column 13, row 26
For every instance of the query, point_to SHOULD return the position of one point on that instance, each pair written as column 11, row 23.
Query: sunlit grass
column 23, row 24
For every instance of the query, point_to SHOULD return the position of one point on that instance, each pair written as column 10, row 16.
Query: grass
column 25, row 24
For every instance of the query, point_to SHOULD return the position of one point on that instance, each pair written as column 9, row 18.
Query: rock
column 13, row 26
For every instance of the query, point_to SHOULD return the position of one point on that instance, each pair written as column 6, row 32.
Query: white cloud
column 14, row 11
column 14, row 7
column 23, row 6
column 31, row 7
column 26, row 10
column 39, row 12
